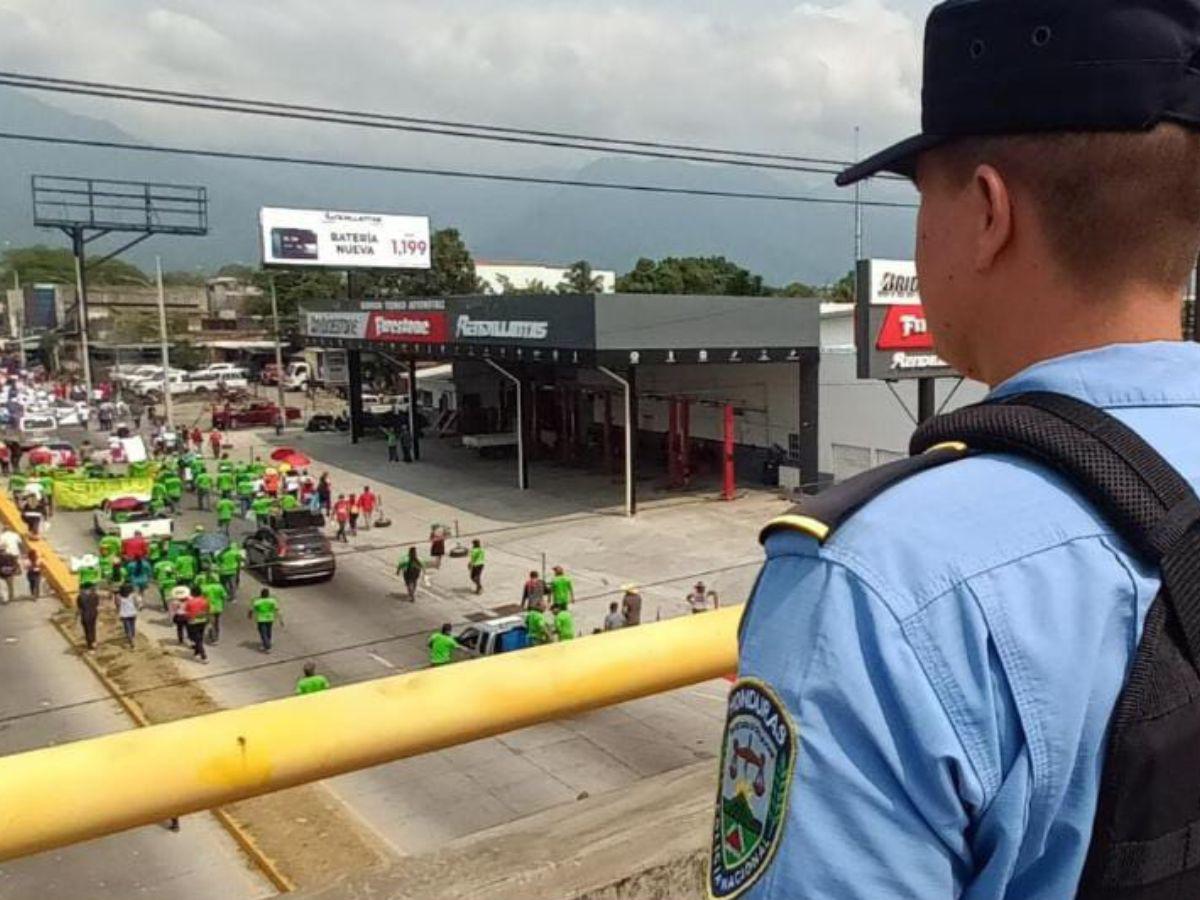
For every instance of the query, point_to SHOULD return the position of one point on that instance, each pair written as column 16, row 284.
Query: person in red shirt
column 136, row 547
column 215, row 439
column 341, row 515
column 367, row 502
column 197, row 439
column 196, row 610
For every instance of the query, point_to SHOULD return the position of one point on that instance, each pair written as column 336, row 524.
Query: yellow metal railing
column 61, row 795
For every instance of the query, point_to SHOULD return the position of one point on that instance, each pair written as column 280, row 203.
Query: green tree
column 580, row 279
column 56, row 265
column 692, row 275
column 452, row 272
column 294, row 286
column 797, row 289
column 536, row 286
column 842, row 290
column 236, row 270
column 184, row 278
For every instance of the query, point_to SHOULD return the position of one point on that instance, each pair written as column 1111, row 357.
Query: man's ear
column 993, row 216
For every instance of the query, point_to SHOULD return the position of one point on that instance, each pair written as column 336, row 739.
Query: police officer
column 926, row 687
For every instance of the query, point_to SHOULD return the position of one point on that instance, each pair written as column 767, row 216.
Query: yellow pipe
column 74, row 792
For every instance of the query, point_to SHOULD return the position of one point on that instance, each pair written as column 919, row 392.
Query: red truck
column 259, row 414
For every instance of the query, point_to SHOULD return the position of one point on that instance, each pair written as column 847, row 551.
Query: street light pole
column 281, row 421
column 19, row 316
column 162, row 336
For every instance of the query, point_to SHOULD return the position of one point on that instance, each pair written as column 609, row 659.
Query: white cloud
column 750, row 74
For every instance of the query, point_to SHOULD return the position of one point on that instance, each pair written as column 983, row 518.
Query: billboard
column 343, row 240
column 566, row 321
column 890, row 330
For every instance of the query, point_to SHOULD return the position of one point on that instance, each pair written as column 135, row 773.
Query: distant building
column 229, row 297
column 499, row 275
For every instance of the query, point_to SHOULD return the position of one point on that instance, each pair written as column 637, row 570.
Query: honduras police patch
column 758, row 756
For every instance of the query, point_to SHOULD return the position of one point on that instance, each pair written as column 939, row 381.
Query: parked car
column 67, row 413
column 125, row 516
column 206, row 380
column 494, row 636
column 291, row 547
column 37, row 422
column 327, row 422
column 41, row 452
column 258, row 414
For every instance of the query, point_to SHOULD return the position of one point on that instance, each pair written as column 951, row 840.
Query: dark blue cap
column 1029, row 66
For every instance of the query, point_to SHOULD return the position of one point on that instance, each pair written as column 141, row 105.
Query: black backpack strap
column 1128, row 481
column 820, row 515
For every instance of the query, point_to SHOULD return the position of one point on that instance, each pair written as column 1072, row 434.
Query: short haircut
column 1115, row 206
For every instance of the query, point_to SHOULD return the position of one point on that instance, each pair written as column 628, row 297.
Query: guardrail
column 74, row 792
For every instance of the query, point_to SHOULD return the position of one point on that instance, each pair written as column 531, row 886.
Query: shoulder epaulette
column 820, row 515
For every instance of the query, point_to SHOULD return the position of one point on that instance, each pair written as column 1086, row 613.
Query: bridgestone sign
column 891, row 332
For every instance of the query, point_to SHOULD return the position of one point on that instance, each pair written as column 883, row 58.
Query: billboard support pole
column 19, row 318
column 925, row 399
column 77, row 243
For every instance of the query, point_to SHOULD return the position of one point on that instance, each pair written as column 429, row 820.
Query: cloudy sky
column 758, row 74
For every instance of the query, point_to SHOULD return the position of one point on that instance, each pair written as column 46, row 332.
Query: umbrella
column 40, row 456
column 293, row 458
column 210, row 542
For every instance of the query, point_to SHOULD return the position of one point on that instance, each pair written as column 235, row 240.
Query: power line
column 41, row 82
column 442, row 173
column 420, row 129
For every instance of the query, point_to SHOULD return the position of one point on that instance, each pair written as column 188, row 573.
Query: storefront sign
column 407, row 327
column 343, row 240
column 523, row 321
column 891, row 330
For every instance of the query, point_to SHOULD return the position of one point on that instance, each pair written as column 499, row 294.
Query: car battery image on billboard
column 294, row 243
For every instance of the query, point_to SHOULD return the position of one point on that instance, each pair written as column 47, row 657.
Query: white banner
column 343, row 240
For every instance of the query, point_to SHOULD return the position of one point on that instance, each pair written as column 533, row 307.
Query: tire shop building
column 684, row 389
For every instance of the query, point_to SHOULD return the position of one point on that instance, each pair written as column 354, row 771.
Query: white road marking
column 379, row 659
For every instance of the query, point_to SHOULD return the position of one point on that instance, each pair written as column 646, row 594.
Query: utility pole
column 857, row 213
column 282, row 420
column 162, row 337
column 19, row 317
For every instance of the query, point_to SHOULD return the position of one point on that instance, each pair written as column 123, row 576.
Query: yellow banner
column 88, row 493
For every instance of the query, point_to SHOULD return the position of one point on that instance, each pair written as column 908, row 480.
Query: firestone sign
column 891, row 332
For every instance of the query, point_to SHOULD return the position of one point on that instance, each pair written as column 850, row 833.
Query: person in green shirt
column 89, row 572
column 442, row 646
column 289, row 501
column 265, row 612
column 110, row 545
column 245, row 492
column 311, row 682
column 229, row 567
column 203, row 488
column 165, row 578
column 226, row 509
column 564, row 625
column 225, row 482
column 158, row 494
column 216, row 595
column 173, row 485
column 536, row 627
column 475, row 565
column 262, row 509
column 185, row 567
column 225, row 465
column 562, row 590
column 410, row 568
column 111, row 570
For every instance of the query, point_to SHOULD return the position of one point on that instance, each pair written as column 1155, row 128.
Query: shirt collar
column 1155, row 373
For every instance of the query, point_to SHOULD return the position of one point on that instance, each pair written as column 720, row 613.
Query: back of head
column 310, row 669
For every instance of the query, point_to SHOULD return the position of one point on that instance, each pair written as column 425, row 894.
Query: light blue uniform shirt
column 951, row 656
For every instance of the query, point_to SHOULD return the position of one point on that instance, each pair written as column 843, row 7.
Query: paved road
column 51, row 697
column 357, row 627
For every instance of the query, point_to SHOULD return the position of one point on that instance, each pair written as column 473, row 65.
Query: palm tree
column 580, row 279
